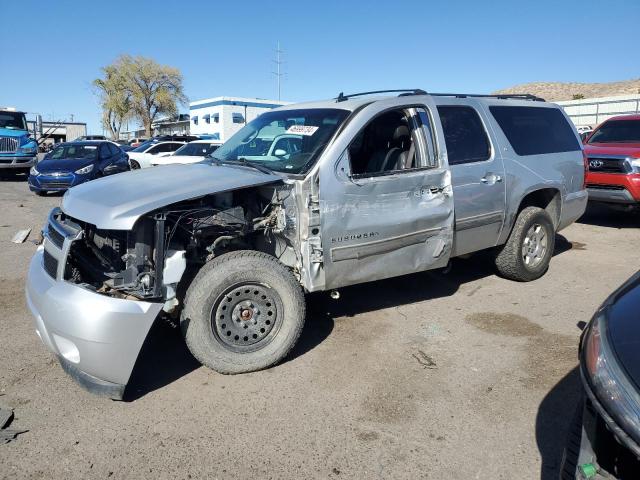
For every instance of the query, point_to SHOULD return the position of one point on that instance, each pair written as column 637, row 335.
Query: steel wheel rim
column 246, row 317
column 534, row 246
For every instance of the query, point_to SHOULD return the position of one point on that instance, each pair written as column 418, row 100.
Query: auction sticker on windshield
column 306, row 130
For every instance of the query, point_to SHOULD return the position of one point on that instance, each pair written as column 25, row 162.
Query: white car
column 584, row 129
column 142, row 156
column 192, row 152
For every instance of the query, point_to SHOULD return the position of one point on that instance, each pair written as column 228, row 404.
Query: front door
column 477, row 174
column 386, row 206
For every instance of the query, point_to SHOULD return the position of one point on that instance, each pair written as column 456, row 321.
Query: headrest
column 400, row 132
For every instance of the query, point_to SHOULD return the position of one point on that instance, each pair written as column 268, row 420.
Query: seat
column 397, row 155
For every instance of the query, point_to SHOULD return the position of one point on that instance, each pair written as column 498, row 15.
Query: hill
column 555, row 91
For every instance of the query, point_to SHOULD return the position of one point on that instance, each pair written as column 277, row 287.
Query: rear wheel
column 244, row 311
column 527, row 253
column 134, row 165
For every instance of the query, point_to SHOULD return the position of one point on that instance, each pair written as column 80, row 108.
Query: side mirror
column 280, row 152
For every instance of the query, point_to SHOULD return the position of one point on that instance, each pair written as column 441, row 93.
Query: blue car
column 73, row 163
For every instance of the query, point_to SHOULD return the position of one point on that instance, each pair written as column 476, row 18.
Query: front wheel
column 244, row 311
column 134, row 165
column 529, row 249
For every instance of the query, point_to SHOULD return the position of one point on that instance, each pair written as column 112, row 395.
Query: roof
column 349, row 104
column 631, row 116
column 84, row 142
column 206, row 141
column 353, row 103
column 241, row 101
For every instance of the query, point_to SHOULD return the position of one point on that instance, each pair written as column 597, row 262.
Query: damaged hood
column 116, row 202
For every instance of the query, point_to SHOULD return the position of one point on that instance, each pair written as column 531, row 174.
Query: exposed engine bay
column 149, row 261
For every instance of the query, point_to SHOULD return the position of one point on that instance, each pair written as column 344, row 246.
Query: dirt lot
column 443, row 376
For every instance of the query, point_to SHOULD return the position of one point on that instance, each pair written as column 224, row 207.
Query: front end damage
column 95, row 293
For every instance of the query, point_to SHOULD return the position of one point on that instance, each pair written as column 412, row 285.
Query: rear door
column 386, row 206
column 477, row 173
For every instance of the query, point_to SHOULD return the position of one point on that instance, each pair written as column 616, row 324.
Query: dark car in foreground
column 73, row 163
column 607, row 445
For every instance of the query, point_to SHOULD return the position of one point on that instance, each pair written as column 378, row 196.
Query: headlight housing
column 635, row 164
column 608, row 381
column 30, row 147
column 34, row 171
column 84, row 170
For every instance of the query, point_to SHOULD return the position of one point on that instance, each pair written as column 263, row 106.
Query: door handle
column 491, row 178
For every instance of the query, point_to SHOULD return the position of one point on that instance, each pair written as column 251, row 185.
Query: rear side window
column 535, row 130
column 464, row 135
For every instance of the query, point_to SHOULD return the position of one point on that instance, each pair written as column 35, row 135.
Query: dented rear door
column 385, row 224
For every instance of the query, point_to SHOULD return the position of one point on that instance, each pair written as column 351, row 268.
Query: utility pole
column 278, row 73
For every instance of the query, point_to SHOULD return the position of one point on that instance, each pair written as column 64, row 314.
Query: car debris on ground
column 21, row 236
column 7, row 434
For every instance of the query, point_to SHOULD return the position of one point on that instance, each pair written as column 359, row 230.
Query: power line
column 279, row 73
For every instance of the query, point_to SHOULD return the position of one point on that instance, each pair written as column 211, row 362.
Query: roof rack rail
column 503, row 96
column 403, row 91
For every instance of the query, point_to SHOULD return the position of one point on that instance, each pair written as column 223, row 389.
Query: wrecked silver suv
column 305, row 198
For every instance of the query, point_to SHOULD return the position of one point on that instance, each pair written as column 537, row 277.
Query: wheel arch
column 548, row 198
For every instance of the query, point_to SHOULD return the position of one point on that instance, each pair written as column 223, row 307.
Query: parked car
column 191, row 152
column 70, row 164
column 136, row 142
column 176, row 138
column 380, row 187
column 613, row 153
column 142, row 156
column 584, row 129
column 90, row 138
column 605, row 441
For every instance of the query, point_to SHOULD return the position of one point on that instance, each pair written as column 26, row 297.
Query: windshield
column 74, row 152
column 617, row 131
column 144, row 146
column 13, row 120
column 287, row 141
column 197, row 149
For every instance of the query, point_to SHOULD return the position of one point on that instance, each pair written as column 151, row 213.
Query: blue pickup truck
column 17, row 148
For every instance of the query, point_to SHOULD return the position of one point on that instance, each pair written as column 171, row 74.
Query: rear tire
column 244, row 311
column 134, row 165
column 528, row 251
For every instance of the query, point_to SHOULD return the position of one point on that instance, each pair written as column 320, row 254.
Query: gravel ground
column 444, row 376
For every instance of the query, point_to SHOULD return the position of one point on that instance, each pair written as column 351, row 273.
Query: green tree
column 115, row 100
column 155, row 89
column 150, row 89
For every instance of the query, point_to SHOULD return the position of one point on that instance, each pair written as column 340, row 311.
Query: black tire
column 510, row 260
column 237, row 278
column 41, row 193
column 133, row 165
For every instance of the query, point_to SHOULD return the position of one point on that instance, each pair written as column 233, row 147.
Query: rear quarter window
column 535, row 130
column 464, row 134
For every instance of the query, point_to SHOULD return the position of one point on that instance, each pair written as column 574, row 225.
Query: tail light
column 585, row 161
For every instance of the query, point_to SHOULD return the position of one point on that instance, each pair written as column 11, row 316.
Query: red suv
column 613, row 161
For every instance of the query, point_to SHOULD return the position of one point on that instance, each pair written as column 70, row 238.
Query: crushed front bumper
column 96, row 338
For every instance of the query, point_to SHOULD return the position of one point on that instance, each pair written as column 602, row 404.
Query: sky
column 53, row 50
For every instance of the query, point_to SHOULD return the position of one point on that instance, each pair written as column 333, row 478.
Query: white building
column 593, row 111
column 224, row 116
